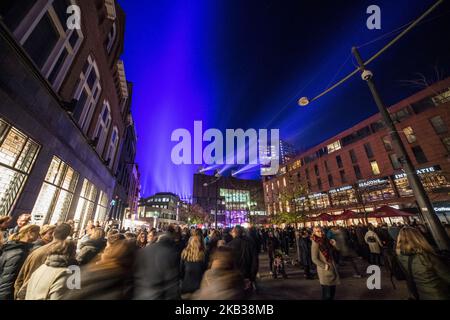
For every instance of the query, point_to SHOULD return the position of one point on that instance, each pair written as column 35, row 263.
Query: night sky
column 243, row 64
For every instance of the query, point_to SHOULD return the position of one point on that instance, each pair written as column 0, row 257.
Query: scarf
column 324, row 247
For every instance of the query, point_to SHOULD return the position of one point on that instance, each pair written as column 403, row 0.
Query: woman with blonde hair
column 428, row 277
column 13, row 255
column 193, row 265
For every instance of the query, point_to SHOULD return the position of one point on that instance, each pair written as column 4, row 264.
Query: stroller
column 278, row 265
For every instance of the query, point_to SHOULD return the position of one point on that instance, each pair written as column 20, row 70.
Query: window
column 55, row 197
column 86, row 206
column 446, row 142
column 422, row 105
column 17, row 155
column 419, row 154
column 326, row 166
column 438, row 124
column 111, row 37
column 112, row 149
column 441, row 98
column 330, row 180
column 358, row 174
column 387, row 143
column 316, row 169
column 394, row 161
column 332, row 147
column 368, row 150
column 14, row 11
column 102, row 208
column 339, row 162
column 410, row 136
column 353, row 156
column 319, row 184
column 87, row 94
column 284, row 182
column 343, row 177
column 375, row 168
column 48, row 41
column 307, row 173
column 401, row 114
column 103, row 123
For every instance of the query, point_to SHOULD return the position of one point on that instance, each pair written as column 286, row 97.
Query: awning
column 323, row 217
column 386, row 212
column 348, row 214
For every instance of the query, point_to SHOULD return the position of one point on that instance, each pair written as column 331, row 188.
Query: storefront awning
column 386, row 212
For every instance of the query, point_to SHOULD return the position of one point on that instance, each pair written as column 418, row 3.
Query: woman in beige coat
column 49, row 281
column 322, row 257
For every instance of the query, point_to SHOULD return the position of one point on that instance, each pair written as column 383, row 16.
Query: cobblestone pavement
column 296, row 287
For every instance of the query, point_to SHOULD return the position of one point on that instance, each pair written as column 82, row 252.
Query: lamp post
column 425, row 205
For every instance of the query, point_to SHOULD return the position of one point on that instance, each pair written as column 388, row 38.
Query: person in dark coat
column 245, row 255
column 92, row 247
column 272, row 246
column 109, row 278
column 305, row 252
column 23, row 220
column 157, row 270
column 13, row 255
column 192, row 266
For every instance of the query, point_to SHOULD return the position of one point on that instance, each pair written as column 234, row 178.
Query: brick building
column 65, row 108
column 359, row 170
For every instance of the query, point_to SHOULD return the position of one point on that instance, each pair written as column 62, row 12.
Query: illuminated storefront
column 102, row 208
column 237, row 205
column 56, row 194
column 318, row 201
column 86, row 205
column 343, row 196
column 432, row 178
column 17, row 155
column 376, row 190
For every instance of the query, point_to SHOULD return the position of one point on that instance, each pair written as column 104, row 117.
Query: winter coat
column 374, row 245
column 272, row 246
column 343, row 244
column 431, row 276
column 89, row 250
column 305, row 251
column 157, row 271
column 48, row 282
column 218, row 284
column 103, row 283
column 328, row 277
column 34, row 260
column 191, row 274
column 245, row 257
column 13, row 256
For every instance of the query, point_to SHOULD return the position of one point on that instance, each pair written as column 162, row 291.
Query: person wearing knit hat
column 46, row 236
column 37, row 258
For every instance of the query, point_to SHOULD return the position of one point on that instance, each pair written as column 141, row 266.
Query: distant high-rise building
column 286, row 153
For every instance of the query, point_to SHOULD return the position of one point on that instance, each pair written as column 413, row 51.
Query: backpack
column 371, row 239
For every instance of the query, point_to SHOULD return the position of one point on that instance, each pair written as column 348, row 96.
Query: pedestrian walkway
column 296, row 287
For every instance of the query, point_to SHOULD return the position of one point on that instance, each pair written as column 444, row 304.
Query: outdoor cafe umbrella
column 346, row 215
column 388, row 212
column 323, row 217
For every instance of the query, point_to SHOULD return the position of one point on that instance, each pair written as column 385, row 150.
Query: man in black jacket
column 157, row 270
column 245, row 255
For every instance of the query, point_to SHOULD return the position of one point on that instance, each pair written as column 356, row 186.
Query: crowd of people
column 51, row 263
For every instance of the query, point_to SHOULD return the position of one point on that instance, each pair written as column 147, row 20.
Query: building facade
column 236, row 201
column 359, row 170
column 64, row 107
column 161, row 210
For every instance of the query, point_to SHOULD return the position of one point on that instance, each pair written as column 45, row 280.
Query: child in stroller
column 278, row 265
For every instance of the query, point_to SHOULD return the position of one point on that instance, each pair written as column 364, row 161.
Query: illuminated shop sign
column 373, row 182
column 340, row 189
column 419, row 171
column 317, row 195
column 442, row 209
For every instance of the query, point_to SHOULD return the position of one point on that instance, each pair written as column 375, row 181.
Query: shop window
column 438, row 124
column 102, row 208
column 419, row 154
column 375, row 168
column 17, row 155
column 387, row 143
column 86, row 206
column 55, row 197
column 410, row 135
